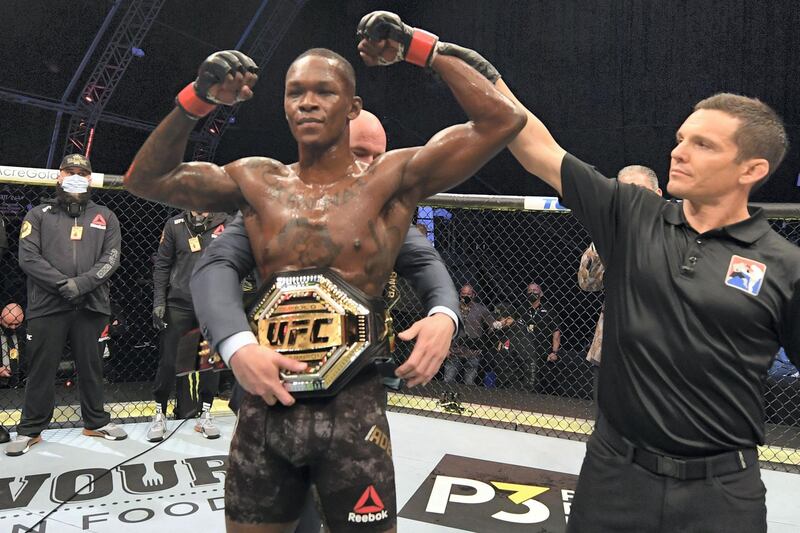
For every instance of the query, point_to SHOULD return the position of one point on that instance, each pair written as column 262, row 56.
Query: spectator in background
column 10, row 349
column 184, row 239
column 782, row 367
column 505, row 363
column 591, row 269
column 69, row 250
column 3, row 238
column 537, row 335
column 468, row 349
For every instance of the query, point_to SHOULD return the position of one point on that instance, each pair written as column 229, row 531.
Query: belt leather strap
column 683, row 468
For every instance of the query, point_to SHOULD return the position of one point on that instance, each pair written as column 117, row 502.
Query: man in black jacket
column 184, row 239
column 69, row 249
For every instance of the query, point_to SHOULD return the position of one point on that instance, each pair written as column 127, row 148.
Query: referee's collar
column 746, row 231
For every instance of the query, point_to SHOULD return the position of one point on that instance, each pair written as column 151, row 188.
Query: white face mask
column 75, row 184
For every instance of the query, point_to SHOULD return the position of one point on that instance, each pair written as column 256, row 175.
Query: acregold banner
column 46, row 177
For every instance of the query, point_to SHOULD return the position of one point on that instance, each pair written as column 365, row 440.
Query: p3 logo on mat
column 480, row 495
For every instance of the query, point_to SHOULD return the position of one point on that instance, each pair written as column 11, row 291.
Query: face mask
column 197, row 222
column 75, row 184
column 72, row 203
column 533, row 297
column 466, row 299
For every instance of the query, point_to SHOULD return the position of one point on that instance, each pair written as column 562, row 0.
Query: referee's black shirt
column 692, row 320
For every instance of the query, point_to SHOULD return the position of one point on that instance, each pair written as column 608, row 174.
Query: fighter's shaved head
column 343, row 65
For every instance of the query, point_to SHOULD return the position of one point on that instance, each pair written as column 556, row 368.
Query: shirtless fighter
column 325, row 211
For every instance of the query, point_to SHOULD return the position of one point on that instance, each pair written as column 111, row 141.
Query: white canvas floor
column 179, row 486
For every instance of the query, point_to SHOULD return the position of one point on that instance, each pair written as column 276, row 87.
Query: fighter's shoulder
column 391, row 163
column 255, row 166
column 398, row 156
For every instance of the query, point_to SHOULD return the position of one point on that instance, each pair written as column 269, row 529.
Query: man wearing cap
column 68, row 248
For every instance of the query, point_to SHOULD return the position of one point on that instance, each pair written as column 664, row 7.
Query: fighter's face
column 318, row 101
column 703, row 163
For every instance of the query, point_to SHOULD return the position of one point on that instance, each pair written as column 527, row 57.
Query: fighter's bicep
column 450, row 157
column 203, row 186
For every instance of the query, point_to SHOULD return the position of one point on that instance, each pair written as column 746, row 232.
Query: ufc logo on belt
column 299, row 332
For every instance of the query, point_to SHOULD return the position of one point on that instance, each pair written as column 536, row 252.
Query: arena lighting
column 89, row 143
column 137, row 52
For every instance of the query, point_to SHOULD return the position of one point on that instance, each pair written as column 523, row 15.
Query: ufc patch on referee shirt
column 745, row 274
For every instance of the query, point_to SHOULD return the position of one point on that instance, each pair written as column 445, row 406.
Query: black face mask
column 466, row 299
column 197, row 223
column 533, row 297
column 73, row 204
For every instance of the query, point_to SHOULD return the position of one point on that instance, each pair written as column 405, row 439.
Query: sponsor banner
column 39, row 176
column 477, row 495
column 130, row 497
column 543, row 203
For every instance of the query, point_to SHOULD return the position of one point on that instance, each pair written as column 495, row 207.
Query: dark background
column 613, row 79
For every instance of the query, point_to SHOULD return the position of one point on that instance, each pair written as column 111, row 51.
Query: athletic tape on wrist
column 421, row 49
column 192, row 104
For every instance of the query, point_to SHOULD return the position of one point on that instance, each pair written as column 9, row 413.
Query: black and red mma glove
column 195, row 99
column 415, row 45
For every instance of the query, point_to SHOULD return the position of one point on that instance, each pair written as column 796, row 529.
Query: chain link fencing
column 506, row 375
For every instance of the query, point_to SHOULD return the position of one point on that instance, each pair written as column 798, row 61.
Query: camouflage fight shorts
column 340, row 444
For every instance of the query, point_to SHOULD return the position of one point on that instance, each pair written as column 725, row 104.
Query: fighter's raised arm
column 158, row 171
column 535, row 148
column 455, row 153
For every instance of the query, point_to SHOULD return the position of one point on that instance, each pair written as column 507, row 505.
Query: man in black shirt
column 536, row 337
column 706, row 293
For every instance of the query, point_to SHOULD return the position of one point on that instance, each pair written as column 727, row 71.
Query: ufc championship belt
column 315, row 316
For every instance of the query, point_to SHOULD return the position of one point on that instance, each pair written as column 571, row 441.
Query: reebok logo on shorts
column 368, row 508
column 745, row 274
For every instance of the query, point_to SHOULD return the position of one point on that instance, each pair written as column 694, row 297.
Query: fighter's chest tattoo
column 297, row 199
column 310, row 244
